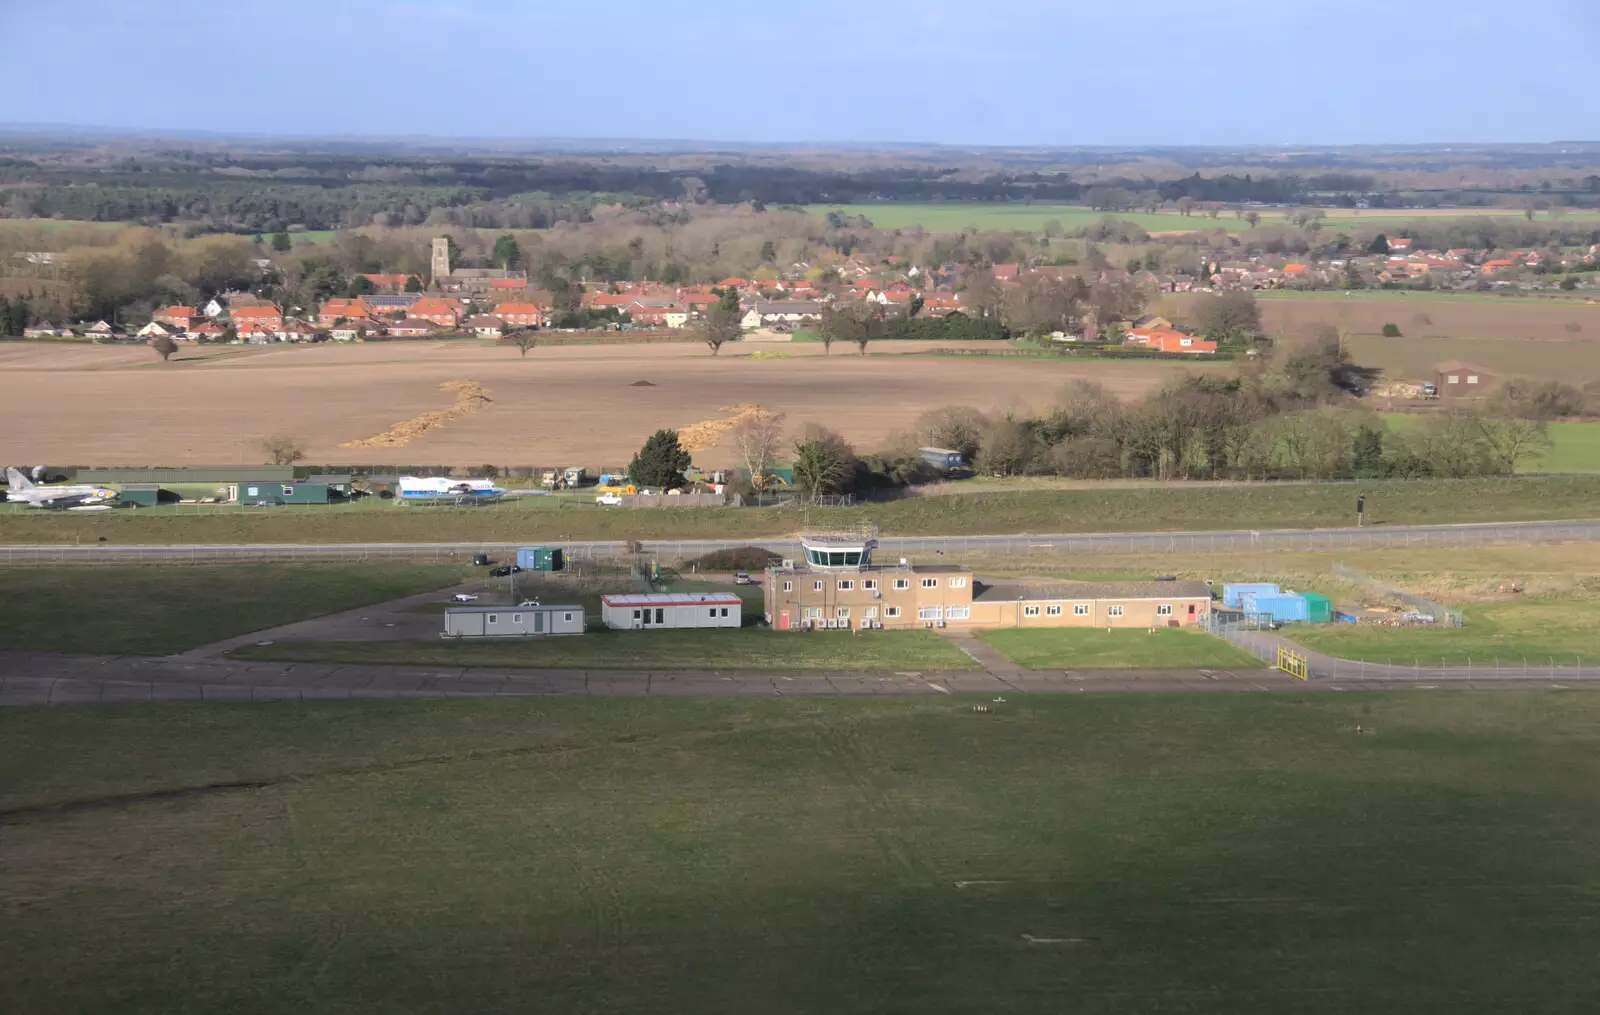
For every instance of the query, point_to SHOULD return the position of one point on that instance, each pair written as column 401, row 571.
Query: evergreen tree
column 661, row 462
column 1379, row 245
column 281, row 242
column 506, row 252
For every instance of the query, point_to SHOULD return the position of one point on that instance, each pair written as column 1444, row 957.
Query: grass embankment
column 1209, row 854
column 154, row 611
column 746, row 648
column 1120, row 509
column 1098, row 649
column 1533, row 630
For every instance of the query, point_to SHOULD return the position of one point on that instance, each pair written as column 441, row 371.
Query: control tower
column 849, row 550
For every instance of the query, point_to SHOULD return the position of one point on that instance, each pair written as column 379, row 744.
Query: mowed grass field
column 1092, row 509
column 747, row 648
column 1098, row 648
column 1100, row 854
column 1535, row 630
column 955, row 216
column 161, row 610
column 1574, row 447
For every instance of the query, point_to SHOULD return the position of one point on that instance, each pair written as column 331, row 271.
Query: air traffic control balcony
column 839, row 551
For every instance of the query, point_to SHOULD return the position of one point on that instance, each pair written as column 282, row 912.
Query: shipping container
column 540, row 558
column 943, row 459
column 1231, row 593
column 1280, row 606
column 1319, row 608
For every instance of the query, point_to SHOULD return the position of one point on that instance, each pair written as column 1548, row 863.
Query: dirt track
column 91, row 405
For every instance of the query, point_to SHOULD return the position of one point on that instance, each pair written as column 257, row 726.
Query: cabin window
column 1052, row 611
column 1164, row 610
column 1030, row 611
column 1080, row 609
column 1115, row 611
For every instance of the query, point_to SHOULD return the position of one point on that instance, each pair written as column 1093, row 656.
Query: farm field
column 1553, row 330
column 1574, row 447
column 1104, row 854
column 589, row 404
column 1572, row 360
column 1511, row 632
column 1116, row 509
column 956, row 216
column 747, row 648
column 1095, row 649
column 157, row 611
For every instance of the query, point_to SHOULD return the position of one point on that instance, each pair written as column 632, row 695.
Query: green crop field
column 1120, row 509
column 1075, row 648
column 1007, row 216
column 1574, row 447
column 1102, row 855
column 747, row 648
column 1534, row 630
column 159, row 610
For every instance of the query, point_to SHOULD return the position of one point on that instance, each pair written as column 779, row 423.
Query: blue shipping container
column 1280, row 606
column 1231, row 593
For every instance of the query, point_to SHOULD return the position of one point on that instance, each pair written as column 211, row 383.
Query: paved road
column 1230, row 541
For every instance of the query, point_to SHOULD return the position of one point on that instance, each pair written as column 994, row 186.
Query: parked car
column 609, row 499
column 504, row 571
column 740, row 578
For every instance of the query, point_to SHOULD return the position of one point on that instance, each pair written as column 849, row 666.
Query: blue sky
column 1050, row 72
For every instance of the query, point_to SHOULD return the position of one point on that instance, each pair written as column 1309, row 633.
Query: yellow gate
column 1293, row 663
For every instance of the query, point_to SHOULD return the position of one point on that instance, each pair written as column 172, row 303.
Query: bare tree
column 164, row 347
column 282, row 449
column 525, row 339
column 758, row 436
column 719, row 325
column 1512, row 442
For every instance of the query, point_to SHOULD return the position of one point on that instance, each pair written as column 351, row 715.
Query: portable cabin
column 1231, row 593
column 641, row 612
column 512, row 621
column 540, row 558
column 943, row 459
column 1319, row 608
column 140, row 494
column 288, row 492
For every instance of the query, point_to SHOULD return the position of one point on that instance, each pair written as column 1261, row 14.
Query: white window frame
column 1472, row 378
column 1080, row 609
column 516, row 618
column 788, row 586
column 902, row 583
column 1052, row 611
column 1114, row 611
column 1030, row 611
column 842, row 612
column 566, row 618
column 288, row 491
column 492, row 618
column 870, row 613
column 930, row 583
column 958, row 583
column 1164, row 610
column 869, row 584
column 846, row 585
column 891, row 611
column 958, row 613
column 816, row 586
column 930, row 613
column 811, row 613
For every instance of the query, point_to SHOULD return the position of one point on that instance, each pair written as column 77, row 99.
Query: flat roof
column 473, row 608
column 673, row 599
column 801, row 567
column 1086, row 591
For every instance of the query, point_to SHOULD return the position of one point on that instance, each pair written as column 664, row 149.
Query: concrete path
column 982, row 653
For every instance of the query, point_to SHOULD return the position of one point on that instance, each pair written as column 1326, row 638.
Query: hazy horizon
column 931, row 73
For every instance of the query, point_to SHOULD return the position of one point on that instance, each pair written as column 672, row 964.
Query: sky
column 1020, row 72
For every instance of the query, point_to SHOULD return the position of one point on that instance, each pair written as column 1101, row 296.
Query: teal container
column 1319, row 608
column 540, row 558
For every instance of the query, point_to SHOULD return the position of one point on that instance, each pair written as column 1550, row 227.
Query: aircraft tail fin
column 17, row 480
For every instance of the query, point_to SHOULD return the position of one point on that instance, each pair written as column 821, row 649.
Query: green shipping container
column 1319, row 608
column 540, row 558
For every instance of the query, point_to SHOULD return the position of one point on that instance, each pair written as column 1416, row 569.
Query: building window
column 958, row 583
column 869, row 584
column 567, row 617
column 1080, row 609
column 842, row 612
column 288, row 491
column 1030, row 611
column 846, row 586
column 930, row 613
column 1472, row 378
column 1164, row 610
column 661, row 615
column 958, row 613
column 635, row 614
column 930, row 583
column 816, row 586
column 902, row 583
column 871, row 613
column 1052, row 611
column 251, row 491
column 492, row 619
column 813, row 613
column 1455, row 379
column 1115, row 611
column 891, row 611
column 788, row 586
column 516, row 618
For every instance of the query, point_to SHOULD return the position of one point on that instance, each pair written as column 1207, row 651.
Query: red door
column 783, row 620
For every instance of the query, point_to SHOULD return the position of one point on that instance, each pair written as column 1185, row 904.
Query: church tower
column 441, row 259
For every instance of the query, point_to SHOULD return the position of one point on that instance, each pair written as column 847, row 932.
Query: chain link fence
column 1435, row 613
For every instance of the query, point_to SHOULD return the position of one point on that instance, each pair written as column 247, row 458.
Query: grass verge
column 156, row 611
column 1118, row 509
column 1103, row 854
column 1082, row 648
column 746, row 648
column 1533, row 630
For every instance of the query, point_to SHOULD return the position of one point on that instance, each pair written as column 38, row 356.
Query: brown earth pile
column 470, row 397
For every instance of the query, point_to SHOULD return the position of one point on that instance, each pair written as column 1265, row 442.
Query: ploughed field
column 92, row 405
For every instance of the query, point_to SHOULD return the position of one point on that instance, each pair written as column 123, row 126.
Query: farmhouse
column 1457, row 379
